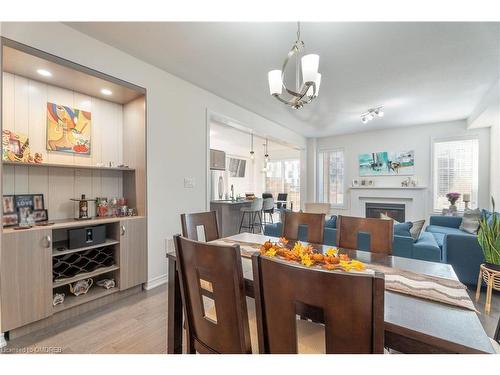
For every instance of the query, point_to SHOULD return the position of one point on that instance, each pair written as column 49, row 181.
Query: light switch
column 189, row 182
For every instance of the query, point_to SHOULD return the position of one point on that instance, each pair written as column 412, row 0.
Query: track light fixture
column 371, row 114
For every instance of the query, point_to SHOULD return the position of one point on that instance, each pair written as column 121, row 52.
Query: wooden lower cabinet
column 25, row 278
column 133, row 252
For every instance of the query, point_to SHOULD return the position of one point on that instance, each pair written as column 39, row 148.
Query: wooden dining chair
column 315, row 225
column 207, row 220
column 213, row 296
column 349, row 307
column 380, row 231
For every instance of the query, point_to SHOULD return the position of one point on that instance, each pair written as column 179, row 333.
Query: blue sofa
column 459, row 248
column 425, row 248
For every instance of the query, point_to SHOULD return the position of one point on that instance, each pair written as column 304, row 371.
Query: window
column 456, row 168
column 331, row 177
column 283, row 176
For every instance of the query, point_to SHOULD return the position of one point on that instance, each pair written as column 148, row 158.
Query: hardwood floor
column 136, row 324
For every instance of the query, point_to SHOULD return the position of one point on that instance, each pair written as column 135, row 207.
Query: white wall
column 495, row 164
column 417, row 138
column 176, row 112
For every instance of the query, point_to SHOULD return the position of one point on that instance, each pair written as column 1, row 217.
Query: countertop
column 228, row 201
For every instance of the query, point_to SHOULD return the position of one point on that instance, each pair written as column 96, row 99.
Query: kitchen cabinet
column 25, row 277
column 133, row 252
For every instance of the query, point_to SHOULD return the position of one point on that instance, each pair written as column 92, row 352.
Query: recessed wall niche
column 117, row 133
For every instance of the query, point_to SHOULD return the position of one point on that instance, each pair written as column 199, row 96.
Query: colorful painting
column 15, row 147
column 387, row 163
column 68, row 129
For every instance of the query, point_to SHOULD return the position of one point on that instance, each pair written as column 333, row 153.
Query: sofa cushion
column 439, row 237
column 427, row 248
column 331, row 222
column 470, row 221
column 403, row 229
column 445, row 230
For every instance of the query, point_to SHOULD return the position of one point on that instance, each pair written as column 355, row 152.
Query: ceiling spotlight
column 44, row 73
column 371, row 114
column 106, row 92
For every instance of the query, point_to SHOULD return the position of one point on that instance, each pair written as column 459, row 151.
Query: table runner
column 451, row 292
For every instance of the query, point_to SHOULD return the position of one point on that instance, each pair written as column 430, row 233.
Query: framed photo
column 24, row 201
column 24, row 213
column 38, row 203
column 40, row 215
column 355, row 183
column 9, row 204
column 10, row 220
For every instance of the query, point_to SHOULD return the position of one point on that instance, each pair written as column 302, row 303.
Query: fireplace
column 393, row 210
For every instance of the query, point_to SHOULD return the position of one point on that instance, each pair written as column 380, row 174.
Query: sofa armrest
column 273, row 230
column 464, row 253
column 402, row 246
column 446, row 221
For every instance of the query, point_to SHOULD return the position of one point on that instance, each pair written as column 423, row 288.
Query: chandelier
column 305, row 90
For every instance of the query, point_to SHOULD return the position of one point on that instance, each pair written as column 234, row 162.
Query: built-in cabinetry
column 37, row 263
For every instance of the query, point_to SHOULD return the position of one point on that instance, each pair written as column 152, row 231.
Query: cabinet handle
column 123, row 230
column 48, row 242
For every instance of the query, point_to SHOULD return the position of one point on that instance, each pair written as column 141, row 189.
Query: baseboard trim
column 156, row 282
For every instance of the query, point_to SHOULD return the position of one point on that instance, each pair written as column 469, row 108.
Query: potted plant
column 489, row 239
column 453, row 198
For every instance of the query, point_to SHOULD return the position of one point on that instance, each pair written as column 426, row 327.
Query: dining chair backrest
column 268, row 204
column 266, row 195
column 192, row 222
column 350, row 305
column 317, row 208
column 315, row 225
column 282, row 197
column 257, row 204
column 380, row 231
column 213, row 272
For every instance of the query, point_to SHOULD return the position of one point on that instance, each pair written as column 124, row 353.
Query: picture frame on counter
column 355, row 182
column 9, row 205
column 17, row 208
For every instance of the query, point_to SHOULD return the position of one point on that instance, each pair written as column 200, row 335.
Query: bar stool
column 268, row 208
column 253, row 211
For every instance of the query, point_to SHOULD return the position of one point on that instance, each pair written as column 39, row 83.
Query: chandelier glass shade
column 306, row 87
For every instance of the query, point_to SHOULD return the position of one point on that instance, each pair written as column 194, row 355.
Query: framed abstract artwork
column 68, row 129
column 401, row 163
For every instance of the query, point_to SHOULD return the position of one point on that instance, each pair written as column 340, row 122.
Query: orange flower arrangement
column 304, row 254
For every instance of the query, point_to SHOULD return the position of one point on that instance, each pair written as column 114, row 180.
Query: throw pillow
column 331, row 222
column 470, row 221
column 416, row 229
column 403, row 229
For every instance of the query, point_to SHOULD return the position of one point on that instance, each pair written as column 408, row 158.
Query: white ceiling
column 420, row 72
column 238, row 142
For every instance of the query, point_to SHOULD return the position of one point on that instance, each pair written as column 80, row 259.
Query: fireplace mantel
column 389, row 188
column 414, row 199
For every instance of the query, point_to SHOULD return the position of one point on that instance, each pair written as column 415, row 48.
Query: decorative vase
column 452, row 209
column 220, row 187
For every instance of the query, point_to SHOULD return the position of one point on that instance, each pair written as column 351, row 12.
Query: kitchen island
column 229, row 215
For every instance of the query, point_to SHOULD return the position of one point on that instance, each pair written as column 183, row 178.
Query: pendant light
column 252, row 153
column 266, row 155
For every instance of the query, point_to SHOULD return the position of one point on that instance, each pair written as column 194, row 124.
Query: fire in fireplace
column 393, row 210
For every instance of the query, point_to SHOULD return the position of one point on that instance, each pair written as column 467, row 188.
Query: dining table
column 411, row 324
